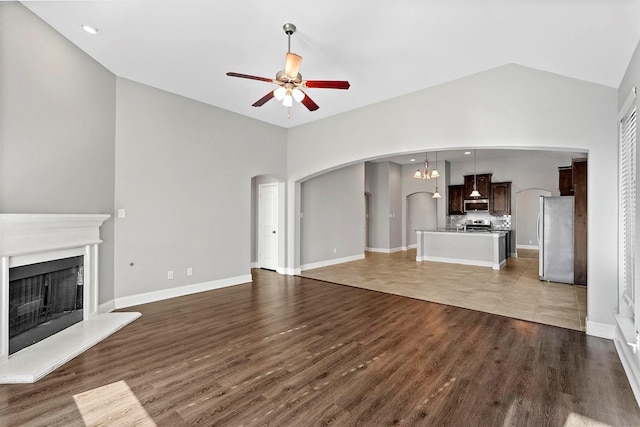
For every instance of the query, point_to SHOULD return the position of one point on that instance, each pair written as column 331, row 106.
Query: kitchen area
column 479, row 228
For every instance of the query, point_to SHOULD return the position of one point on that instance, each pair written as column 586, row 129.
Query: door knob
column 273, row 232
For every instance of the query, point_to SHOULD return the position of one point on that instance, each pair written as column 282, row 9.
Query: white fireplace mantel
column 32, row 238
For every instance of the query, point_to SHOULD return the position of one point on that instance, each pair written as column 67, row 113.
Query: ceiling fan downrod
column 289, row 29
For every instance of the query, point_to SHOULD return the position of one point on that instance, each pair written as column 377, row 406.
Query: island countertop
column 481, row 248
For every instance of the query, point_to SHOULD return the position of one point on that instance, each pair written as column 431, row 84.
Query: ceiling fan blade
column 309, row 103
column 328, row 84
column 292, row 65
column 260, row 102
column 248, row 76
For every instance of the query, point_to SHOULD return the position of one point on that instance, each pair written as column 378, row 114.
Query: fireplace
column 44, row 298
column 49, row 309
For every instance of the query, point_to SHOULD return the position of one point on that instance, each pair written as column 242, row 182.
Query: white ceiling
column 384, row 48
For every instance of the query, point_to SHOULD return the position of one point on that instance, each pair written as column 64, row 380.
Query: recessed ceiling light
column 466, row 153
column 89, row 29
column 412, row 160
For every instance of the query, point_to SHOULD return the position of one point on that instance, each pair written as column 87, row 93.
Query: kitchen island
column 481, row 248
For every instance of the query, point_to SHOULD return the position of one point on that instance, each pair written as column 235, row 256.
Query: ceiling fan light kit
column 290, row 80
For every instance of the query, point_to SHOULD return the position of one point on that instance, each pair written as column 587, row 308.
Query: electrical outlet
column 170, row 274
column 334, row 250
column 189, row 271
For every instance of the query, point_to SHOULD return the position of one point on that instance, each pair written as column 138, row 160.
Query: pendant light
column 475, row 192
column 436, row 195
column 435, row 174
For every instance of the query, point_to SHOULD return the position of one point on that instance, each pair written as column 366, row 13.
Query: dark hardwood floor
column 287, row 351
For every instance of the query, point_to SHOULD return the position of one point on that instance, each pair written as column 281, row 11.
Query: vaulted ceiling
column 383, row 48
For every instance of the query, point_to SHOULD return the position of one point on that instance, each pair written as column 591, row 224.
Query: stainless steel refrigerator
column 555, row 239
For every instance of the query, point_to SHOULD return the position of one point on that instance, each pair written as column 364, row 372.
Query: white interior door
column 268, row 226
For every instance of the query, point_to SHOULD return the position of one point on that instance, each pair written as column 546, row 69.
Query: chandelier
column 427, row 173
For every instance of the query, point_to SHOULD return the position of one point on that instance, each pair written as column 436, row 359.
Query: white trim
column 291, row 271
column 602, row 330
column 329, row 262
column 499, row 265
column 107, row 307
column 536, row 247
column 148, row 297
column 255, row 265
column 414, row 246
column 385, row 250
column 627, row 358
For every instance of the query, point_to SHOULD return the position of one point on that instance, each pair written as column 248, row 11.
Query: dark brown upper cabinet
column 565, row 180
column 456, row 200
column 500, row 198
column 483, row 184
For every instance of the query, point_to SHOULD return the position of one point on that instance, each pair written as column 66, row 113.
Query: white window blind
column 627, row 182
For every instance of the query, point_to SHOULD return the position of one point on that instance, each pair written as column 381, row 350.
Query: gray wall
column 333, row 215
column 528, row 206
column 183, row 174
column 57, row 128
column 421, row 215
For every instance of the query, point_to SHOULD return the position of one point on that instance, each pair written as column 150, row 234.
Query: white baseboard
column 536, row 247
column 385, row 250
column 107, row 307
column 414, row 246
column 255, row 265
column 148, row 297
column 602, row 330
column 329, row 262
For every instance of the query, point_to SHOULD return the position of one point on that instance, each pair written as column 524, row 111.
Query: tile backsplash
column 499, row 222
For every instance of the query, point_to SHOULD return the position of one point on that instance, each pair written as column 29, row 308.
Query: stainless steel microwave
column 476, row 205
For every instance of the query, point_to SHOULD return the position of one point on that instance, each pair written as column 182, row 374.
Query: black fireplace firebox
column 44, row 298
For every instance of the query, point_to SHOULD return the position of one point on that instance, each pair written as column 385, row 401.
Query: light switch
column 120, row 213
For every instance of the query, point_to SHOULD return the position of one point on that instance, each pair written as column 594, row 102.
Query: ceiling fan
column 290, row 81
